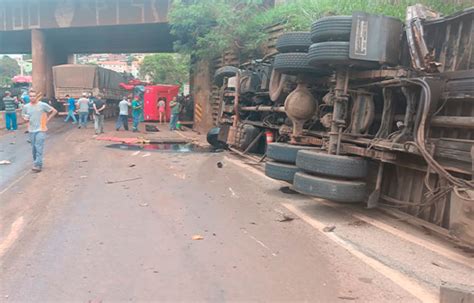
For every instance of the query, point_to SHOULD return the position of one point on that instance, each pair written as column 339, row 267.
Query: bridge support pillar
column 45, row 54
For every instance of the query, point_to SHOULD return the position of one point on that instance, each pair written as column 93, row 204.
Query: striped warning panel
column 198, row 112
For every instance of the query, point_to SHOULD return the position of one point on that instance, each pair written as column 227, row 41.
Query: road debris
column 83, row 177
column 125, row 180
column 220, row 165
column 82, row 161
column 146, row 155
column 329, row 228
column 5, row 162
column 197, row 237
column 286, row 218
column 132, row 165
column 288, row 190
column 348, row 298
column 143, row 204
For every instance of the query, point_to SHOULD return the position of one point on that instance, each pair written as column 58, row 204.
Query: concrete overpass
column 55, row 29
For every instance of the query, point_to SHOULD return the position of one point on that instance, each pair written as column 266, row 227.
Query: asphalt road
column 79, row 232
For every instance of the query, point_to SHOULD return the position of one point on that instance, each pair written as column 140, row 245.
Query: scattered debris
column 132, row 165
column 232, row 192
column 5, row 162
column 253, row 223
column 197, row 237
column 151, row 128
column 219, row 164
column 357, row 223
column 83, row 177
column 143, row 204
column 348, row 298
column 439, row 264
column 13, row 143
column 146, row 155
column 82, row 161
column 329, row 228
column 125, row 180
column 136, row 153
column 286, row 218
column 288, row 190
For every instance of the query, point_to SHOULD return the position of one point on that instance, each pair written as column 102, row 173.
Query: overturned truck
column 364, row 108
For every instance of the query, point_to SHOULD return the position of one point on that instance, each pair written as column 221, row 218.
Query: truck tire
column 280, row 171
column 334, row 53
column 294, row 42
column 334, row 28
column 284, row 152
column 278, row 82
column 332, row 165
column 330, row 189
column 224, row 72
column 213, row 138
column 294, row 63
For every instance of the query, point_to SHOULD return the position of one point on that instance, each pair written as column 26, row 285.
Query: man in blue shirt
column 71, row 107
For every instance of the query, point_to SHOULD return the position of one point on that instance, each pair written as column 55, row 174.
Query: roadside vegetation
column 166, row 68
column 8, row 69
column 205, row 28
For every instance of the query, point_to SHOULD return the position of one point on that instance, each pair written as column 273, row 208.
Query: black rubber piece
column 333, row 28
column 213, row 138
column 280, row 171
column 331, row 189
column 322, row 163
column 224, row 72
column 294, row 63
column 294, row 42
column 336, row 54
column 284, row 152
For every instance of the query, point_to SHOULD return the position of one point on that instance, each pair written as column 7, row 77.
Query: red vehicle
column 152, row 94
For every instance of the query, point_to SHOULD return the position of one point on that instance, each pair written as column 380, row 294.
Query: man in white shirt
column 123, row 114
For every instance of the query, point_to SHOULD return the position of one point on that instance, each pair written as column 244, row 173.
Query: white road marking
column 454, row 256
column 407, row 283
column 15, row 231
column 14, row 182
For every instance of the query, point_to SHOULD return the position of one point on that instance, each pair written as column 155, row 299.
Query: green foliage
column 205, row 28
column 8, row 69
column 166, row 68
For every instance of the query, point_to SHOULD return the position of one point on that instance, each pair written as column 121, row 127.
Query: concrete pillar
column 45, row 55
column 39, row 60
column 201, row 90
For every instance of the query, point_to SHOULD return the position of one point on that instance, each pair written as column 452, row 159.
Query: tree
column 166, row 68
column 8, row 69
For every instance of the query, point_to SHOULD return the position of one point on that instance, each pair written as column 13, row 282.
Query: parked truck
column 364, row 108
column 75, row 79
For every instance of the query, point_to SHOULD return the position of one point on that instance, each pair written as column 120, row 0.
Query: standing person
column 91, row 106
column 83, row 109
column 38, row 115
column 10, row 111
column 175, row 109
column 71, row 107
column 162, row 109
column 136, row 112
column 123, row 114
column 99, row 106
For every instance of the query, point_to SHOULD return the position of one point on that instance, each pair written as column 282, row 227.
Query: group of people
column 37, row 112
column 87, row 107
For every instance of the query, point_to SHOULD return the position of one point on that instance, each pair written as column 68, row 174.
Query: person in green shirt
column 175, row 109
column 136, row 111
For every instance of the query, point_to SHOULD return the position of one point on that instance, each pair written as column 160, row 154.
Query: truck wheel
column 334, row 28
column 224, row 72
column 278, row 82
column 334, row 53
column 213, row 138
column 294, row 63
column 284, row 152
column 332, row 165
column 331, row 189
column 280, row 171
column 297, row 42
